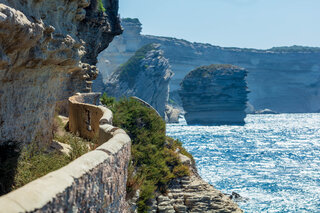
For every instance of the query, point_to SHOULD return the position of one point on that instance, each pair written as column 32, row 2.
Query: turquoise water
column 274, row 160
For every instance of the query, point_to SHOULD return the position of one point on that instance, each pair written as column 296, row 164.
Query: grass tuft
column 34, row 163
column 19, row 166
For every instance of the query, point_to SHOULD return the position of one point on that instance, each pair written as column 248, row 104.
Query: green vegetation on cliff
column 35, row 162
column 101, row 6
column 129, row 70
column 131, row 20
column 154, row 158
column 295, row 49
column 209, row 71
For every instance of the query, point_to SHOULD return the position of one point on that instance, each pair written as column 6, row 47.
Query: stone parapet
column 95, row 182
column 85, row 118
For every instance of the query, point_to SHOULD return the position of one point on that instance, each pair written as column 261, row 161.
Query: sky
column 258, row 24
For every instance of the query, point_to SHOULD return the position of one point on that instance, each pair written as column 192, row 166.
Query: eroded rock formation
column 172, row 114
column 215, row 95
column 145, row 75
column 280, row 79
column 48, row 51
column 190, row 194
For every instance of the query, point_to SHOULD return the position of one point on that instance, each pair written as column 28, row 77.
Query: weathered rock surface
column 280, row 79
column 48, row 51
column 145, row 75
column 215, row 95
column 172, row 114
column 192, row 194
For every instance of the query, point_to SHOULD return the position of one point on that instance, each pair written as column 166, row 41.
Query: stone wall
column 84, row 118
column 95, row 182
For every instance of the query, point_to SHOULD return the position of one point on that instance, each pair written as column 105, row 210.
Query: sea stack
column 215, row 95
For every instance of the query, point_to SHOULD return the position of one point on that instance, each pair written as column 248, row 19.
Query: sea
column 273, row 161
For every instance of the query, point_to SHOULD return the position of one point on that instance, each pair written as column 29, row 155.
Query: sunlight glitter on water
column 274, row 160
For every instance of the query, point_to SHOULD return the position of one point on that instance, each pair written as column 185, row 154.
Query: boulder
column 172, row 114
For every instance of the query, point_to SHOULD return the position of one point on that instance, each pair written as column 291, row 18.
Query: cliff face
column 280, row 79
column 145, row 75
column 215, row 95
column 192, row 194
column 47, row 53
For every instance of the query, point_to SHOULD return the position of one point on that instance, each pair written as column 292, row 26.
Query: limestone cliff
column 215, row 95
column 145, row 75
column 192, row 194
column 48, row 51
column 189, row 194
column 280, row 79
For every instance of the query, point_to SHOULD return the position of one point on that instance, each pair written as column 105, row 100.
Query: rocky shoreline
column 190, row 194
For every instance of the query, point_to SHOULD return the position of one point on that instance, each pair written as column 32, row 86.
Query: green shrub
column 107, row 100
column 79, row 146
column 176, row 144
column 134, row 181
column 147, row 192
column 101, row 6
column 154, row 159
column 181, row 171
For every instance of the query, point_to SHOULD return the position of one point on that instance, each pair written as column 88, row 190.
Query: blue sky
column 230, row 23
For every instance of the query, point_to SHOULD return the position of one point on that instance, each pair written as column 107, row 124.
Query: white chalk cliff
column 283, row 79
